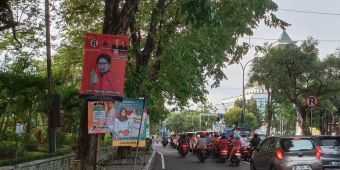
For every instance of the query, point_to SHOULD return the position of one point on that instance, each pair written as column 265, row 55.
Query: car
column 329, row 148
column 286, row 153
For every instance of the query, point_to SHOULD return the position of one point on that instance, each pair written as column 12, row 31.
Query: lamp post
column 243, row 96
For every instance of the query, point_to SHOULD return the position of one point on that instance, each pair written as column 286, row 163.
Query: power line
column 310, row 12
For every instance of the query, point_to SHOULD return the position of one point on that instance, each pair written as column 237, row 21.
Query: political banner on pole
column 127, row 122
column 103, row 66
column 148, row 127
column 101, row 117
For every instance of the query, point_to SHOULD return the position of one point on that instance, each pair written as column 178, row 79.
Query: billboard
column 127, row 122
column 103, row 66
column 101, row 116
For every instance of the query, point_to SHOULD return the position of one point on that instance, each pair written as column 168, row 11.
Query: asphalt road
column 173, row 161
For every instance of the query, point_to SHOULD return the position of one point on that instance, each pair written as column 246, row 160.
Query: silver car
column 329, row 148
column 286, row 153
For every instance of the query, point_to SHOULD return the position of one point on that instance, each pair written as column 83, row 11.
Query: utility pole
column 243, row 96
column 51, row 129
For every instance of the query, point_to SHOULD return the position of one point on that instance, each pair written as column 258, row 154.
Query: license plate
column 184, row 149
column 237, row 154
column 202, row 151
column 245, row 151
column 335, row 163
column 302, row 167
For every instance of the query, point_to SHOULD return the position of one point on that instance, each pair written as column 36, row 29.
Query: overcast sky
column 321, row 27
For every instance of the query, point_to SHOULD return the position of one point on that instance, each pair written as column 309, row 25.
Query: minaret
column 283, row 40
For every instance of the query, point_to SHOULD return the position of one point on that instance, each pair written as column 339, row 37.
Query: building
column 256, row 91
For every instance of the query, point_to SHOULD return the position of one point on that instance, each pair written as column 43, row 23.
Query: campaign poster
column 103, row 66
column 127, row 122
column 148, row 127
column 101, row 116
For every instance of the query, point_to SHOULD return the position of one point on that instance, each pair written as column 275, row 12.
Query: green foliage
column 34, row 156
column 251, row 106
column 8, row 149
column 60, row 139
column 233, row 118
column 107, row 140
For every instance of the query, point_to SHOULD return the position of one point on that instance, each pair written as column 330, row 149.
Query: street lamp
column 243, row 96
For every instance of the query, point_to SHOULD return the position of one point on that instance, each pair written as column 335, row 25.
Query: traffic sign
column 312, row 101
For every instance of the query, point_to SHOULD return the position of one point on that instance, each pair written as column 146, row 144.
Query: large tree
column 294, row 72
column 233, row 118
column 251, row 106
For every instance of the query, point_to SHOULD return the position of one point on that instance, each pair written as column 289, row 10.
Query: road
column 173, row 161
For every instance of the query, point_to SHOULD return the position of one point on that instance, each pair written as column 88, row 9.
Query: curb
column 150, row 161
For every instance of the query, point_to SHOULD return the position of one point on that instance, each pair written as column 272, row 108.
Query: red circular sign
column 126, row 132
column 312, row 101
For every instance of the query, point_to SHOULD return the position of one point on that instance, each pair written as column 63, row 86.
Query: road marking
column 163, row 166
column 245, row 162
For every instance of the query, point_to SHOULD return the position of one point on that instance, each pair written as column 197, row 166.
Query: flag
column 299, row 118
column 242, row 117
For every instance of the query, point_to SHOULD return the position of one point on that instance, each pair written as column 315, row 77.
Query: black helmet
column 223, row 134
column 232, row 135
column 256, row 135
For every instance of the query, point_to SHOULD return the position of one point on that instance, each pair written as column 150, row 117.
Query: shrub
column 107, row 140
column 8, row 149
column 61, row 139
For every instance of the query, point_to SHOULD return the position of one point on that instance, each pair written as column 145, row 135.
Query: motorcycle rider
column 222, row 143
column 255, row 141
column 181, row 140
column 192, row 143
column 243, row 140
column 236, row 145
column 208, row 138
column 201, row 142
column 231, row 137
column 214, row 141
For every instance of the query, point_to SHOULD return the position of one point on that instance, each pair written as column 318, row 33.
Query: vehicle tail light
column 195, row 138
column 237, row 151
column 282, row 167
column 319, row 152
column 296, row 138
column 203, row 148
column 224, row 151
column 208, row 144
column 320, row 165
column 184, row 146
column 245, row 148
column 279, row 154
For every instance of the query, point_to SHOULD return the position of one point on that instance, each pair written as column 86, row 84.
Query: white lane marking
column 246, row 162
column 163, row 165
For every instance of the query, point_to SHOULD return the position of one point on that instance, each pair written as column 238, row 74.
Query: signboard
column 127, row 123
column 148, row 127
column 101, row 116
column 312, row 101
column 103, row 67
column 19, row 128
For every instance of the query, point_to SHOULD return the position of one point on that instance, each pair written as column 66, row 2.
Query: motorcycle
column 222, row 155
column 201, row 154
column 236, row 157
column 173, row 143
column 214, row 152
column 244, row 152
column 183, row 150
column 208, row 150
column 250, row 151
column 165, row 143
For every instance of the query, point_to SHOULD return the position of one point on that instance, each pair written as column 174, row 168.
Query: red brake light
column 225, row 151
column 195, row 138
column 282, row 167
column 208, row 144
column 279, row 154
column 184, row 146
column 237, row 151
column 296, row 138
column 320, row 165
column 245, row 148
column 203, row 148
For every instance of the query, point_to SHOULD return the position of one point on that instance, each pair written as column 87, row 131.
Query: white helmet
column 198, row 136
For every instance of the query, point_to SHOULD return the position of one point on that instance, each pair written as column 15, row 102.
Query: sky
column 319, row 26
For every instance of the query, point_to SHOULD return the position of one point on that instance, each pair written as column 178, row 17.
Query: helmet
column 223, row 134
column 243, row 135
column 232, row 135
column 198, row 136
column 237, row 136
column 256, row 135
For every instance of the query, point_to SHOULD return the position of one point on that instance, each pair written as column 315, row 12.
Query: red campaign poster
column 103, row 66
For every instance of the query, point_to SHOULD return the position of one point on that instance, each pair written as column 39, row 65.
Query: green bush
column 35, row 156
column 107, row 140
column 8, row 149
column 10, row 135
column 61, row 139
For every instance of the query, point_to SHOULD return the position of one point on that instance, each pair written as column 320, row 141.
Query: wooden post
column 97, row 152
column 144, row 156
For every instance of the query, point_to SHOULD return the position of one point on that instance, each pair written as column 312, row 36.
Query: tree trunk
column 321, row 127
column 4, row 131
column 338, row 129
column 333, row 124
column 269, row 110
column 305, row 128
column 86, row 145
column 3, row 119
column 28, row 127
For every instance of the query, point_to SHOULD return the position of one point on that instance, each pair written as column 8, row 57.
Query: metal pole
column 311, row 120
column 243, row 103
column 97, row 152
column 200, row 122
column 16, row 154
column 140, row 127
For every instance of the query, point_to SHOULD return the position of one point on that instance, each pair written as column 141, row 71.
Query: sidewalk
column 127, row 164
